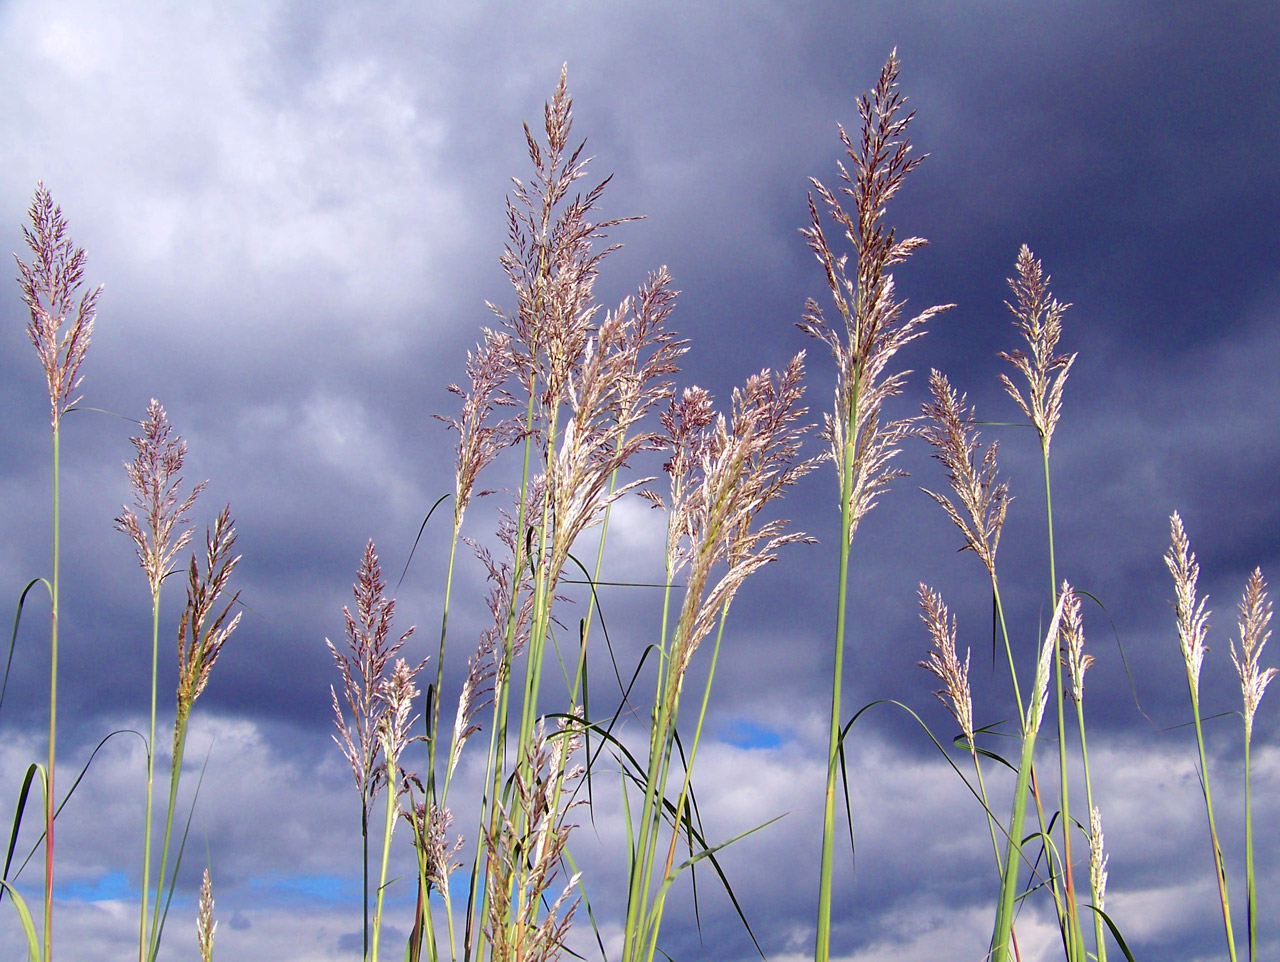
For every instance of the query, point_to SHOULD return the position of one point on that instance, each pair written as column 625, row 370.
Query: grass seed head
column 205, row 925
column 49, row 286
column 949, row 428
column 430, row 826
column 874, row 330
column 1044, row 664
column 1193, row 619
column 363, row 668
column 742, row 464
column 1097, row 858
column 481, row 436
column 1039, row 317
column 203, row 628
column 154, row 476
column 943, row 661
column 1255, row 615
column 1073, row 654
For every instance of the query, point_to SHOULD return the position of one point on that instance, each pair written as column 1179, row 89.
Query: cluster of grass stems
column 576, row 393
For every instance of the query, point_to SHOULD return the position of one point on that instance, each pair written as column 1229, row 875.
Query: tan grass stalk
column 862, row 444
column 1255, row 615
column 203, row 630
column 1077, row 662
column 1193, row 623
column 723, row 473
column 364, row 672
column 395, row 719
column 524, row 854
column 49, row 285
column 154, row 474
column 1039, row 317
column 1097, row 865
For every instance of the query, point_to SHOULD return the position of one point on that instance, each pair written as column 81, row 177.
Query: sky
column 296, row 211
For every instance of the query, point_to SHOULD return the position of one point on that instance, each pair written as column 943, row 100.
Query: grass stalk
column 822, row 949
column 1100, row 944
column 999, row 951
column 388, row 828
column 53, row 700
column 1192, row 619
column 1220, row 869
column 1073, row 936
column 151, row 741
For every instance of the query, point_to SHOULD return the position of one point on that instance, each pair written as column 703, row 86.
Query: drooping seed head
column 943, row 661
column 949, row 429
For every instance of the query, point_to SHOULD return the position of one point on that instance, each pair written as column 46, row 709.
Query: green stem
column 1013, row 852
column 151, row 741
column 1219, row 868
column 390, row 789
column 991, row 820
column 435, row 708
column 53, row 702
column 1248, row 843
column 633, row 934
column 1073, row 937
column 656, row 914
column 501, row 703
column 822, row 948
column 175, row 771
column 1099, row 940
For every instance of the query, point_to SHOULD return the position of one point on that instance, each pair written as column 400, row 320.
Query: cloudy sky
column 297, row 209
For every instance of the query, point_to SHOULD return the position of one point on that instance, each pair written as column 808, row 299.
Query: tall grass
column 49, row 286
column 571, row 395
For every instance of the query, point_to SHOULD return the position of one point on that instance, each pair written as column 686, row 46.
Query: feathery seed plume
column 205, row 925
column 986, row 501
column 1044, row 663
column 1193, row 619
column 1039, row 317
column 364, row 674
column 49, row 285
column 1097, row 858
column 742, row 464
column 480, row 438
column 872, row 318
column 1255, row 615
column 153, row 473
column 201, row 632
column 945, row 663
column 1073, row 655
